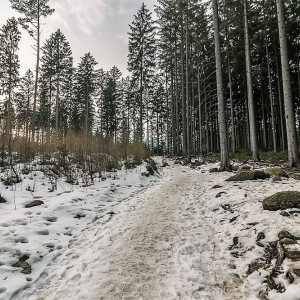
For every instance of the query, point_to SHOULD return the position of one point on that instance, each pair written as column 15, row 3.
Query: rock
column 282, row 200
column 150, row 170
column 296, row 272
column 260, row 236
column 177, row 162
column 146, row 174
column 216, row 186
column 285, row 214
column 243, row 169
column 214, row 170
column 23, row 265
column 2, row 200
column 220, row 194
column 276, row 172
column 34, row 203
column 234, row 167
column 276, row 178
column 285, row 234
column 255, row 266
column 251, row 175
column 153, row 165
column 233, row 219
column 287, row 241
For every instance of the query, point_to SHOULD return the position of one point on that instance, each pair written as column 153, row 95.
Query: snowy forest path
column 159, row 244
column 141, row 258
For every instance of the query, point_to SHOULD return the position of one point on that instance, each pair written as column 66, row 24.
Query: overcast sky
column 96, row 26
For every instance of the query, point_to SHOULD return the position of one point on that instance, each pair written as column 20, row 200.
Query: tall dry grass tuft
column 94, row 152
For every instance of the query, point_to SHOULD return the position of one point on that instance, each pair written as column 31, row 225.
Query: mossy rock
column 282, row 200
column 251, row 175
column 276, row 172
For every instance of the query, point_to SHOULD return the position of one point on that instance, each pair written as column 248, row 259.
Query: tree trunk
column 225, row 165
column 251, row 109
column 36, row 72
column 188, row 143
column 287, row 92
column 200, row 114
column 282, row 123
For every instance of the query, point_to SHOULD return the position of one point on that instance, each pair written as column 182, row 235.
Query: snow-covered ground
column 163, row 237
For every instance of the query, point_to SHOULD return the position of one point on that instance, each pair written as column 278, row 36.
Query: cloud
column 83, row 15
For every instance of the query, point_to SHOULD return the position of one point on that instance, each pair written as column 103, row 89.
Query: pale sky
column 96, row 26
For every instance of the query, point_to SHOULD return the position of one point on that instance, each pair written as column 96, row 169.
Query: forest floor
column 184, row 233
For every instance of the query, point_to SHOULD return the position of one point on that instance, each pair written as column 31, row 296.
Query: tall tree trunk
column 200, row 113
column 37, row 67
column 225, row 165
column 251, row 109
column 188, row 142
column 282, row 123
column 176, row 100
column 287, row 91
column 183, row 108
column 271, row 99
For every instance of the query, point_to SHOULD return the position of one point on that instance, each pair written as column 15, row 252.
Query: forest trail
column 158, row 244
column 153, row 252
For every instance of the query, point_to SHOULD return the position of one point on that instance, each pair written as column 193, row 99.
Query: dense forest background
column 170, row 103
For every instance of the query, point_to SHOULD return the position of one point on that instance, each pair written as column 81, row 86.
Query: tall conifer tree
column 141, row 58
column 33, row 11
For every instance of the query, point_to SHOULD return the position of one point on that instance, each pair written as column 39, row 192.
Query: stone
column 214, row 170
column 287, row 241
column 276, row 178
column 282, row 201
column 260, row 236
column 177, row 162
column 23, row 265
column 34, row 203
column 251, row 175
column 243, row 169
column 2, row 200
column 276, row 172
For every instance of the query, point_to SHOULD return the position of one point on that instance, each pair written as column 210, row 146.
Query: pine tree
column 111, row 99
column 57, row 70
column 84, row 87
column 9, row 69
column 141, row 58
column 34, row 11
column 23, row 100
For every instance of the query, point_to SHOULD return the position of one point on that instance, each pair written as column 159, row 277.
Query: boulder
column 276, row 178
column 276, row 172
column 34, row 203
column 282, row 200
column 251, row 175
column 243, row 169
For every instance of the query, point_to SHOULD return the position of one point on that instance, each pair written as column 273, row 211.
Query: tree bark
column 251, row 109
column 225, row 165
column 287, row 92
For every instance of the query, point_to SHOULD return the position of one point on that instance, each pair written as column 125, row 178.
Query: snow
column 165, row 236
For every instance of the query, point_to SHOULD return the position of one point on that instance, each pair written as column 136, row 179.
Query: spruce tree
column 85, row 83
column 57, row 70
column 23, row 101
column 9, row 69
column 33, row 11
column 141, row 57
